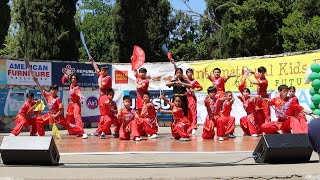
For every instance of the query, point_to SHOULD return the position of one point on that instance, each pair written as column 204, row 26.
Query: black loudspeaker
column 283, row 148
column 29, row 150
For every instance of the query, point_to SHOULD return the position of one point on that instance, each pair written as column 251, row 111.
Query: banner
column 160, row 73
column 87, row 75
column 3, row 98
column 289, row 70
column 3, row 72
column 18, row 73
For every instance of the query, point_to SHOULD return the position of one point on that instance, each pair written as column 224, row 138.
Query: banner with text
column 87, row 75
column 18, row 73
column 289, row 70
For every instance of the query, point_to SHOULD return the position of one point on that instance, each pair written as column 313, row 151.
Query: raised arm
column 95, row 66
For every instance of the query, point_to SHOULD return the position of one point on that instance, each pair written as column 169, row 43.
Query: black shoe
column 230, row 136
column 102, row 136
column 115, row 135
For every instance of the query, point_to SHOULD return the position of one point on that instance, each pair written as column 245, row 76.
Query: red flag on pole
column 138, row 58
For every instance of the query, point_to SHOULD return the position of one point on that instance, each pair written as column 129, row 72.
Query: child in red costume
column 249, row 123
column 262, row 86
column 286, row 111
column 142, row 84
column 227, row 119
column 192, row 101
column 180, row 124
column 104, row 81
column 218, row 82
column 213, row 105
column 56, row 113
column 26, row 116
column 128, row 118
column 108, row 111
column 74, row 105
column 148, row 121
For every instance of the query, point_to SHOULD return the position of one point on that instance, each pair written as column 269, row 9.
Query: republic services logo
column 68, row 70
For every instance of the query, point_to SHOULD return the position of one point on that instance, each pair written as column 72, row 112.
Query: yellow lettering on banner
column 289, row 70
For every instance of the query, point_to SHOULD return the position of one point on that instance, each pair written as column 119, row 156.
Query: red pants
column 74, row 113
column 285, row 126
column 192, row 112
column 228, row 124
column 266, row 111
column 105, row 124
column 208, row 127
column 21, row 122
column 179, row 128
column 44, row 120
column 127, row 128
column 249, row 124
column 147, row 126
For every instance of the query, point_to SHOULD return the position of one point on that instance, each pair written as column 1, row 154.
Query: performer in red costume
column 74, row 105
column 262, row 86
column 285, row 109
column 56, row 113
column 142, row 84
column 218, row 81
column 192, row 101
column 148, row 121
column 26, row 116
column 104, row 80
column 180, row 124
column 213, row 105
column 249, row 123
column 227, row 119
column 108, row 111
column 128, row 118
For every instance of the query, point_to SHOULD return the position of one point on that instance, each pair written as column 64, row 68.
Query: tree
column 95, row 21
column 143, row 23
column 5, row 20
column 301, row 28
column 251, row 29
column 47, row 29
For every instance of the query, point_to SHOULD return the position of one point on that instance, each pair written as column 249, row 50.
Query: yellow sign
column 289, row 70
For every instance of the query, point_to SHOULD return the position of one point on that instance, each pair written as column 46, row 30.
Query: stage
column 162, row 158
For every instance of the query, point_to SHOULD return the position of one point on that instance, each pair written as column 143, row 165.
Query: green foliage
column 47, row 29
column 143, row 23
column 5, row 20
column 95, row 21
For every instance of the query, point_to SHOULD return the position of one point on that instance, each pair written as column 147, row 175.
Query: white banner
column 18, row 73
column 160, row 73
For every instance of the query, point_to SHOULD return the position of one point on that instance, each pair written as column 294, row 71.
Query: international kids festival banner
column 289, row 70
column 18, row 74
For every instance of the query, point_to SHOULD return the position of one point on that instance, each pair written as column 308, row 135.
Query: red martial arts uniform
column 74, row 107
column 25, row 117
column 180, row 124
column 285, row 111
column 262, row 87
column 219, row 84
column 213, row 119
column 128, row 118
column 249, row 123
column 148, row 122
column 55, row 104
column 192, row 105
column 108, row 116
column 228, row 121
column 144, row 83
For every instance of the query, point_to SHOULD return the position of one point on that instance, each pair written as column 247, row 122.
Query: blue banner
column 3, row 97
column 154, row 95
column 86, row 73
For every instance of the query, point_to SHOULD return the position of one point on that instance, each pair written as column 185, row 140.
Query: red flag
column 138, row 58
column 169, row 56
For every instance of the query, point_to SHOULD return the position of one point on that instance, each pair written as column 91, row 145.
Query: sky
column 196, row 5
